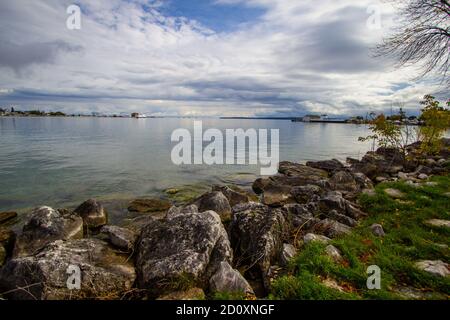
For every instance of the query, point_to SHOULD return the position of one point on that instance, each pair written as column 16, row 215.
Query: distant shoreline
column 168, row 117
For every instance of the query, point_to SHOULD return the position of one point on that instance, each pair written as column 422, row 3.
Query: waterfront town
column 399, row 117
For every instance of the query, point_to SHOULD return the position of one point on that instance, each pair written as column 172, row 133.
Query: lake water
column 64, row 161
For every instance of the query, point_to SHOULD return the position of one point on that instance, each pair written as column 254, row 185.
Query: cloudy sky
column 201, row 57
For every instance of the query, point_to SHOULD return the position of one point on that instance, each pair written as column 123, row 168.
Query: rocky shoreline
column 226, row 240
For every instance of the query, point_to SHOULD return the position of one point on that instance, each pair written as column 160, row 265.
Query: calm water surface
column 64, row 161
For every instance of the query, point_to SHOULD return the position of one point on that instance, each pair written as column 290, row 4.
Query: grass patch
column 408, row 239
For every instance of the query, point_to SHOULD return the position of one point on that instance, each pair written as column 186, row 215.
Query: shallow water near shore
column 61, row 162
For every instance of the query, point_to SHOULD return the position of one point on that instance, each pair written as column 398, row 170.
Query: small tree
column 436, row 122
column 388, row 134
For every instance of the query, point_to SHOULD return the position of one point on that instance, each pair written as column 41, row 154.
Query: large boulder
column 302, row 216
column 335, row 201
column 93, row 214
column 305, row 194
column 344, row 181
column 282, row 189
column 121, row 238
column 45, row 276
column 260, row 185
column 326, row 165
column 46, row 225
column 385, row 161
column 175, row 211
column 257, row 235
column 334, row 215
column 214, row 201
column 392, row 155
column 226, row 279
column 187, row 248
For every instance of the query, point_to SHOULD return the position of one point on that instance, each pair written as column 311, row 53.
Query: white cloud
column 298, row 57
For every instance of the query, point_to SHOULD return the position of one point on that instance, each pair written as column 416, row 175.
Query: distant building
column 311, row 117
column 138, row 115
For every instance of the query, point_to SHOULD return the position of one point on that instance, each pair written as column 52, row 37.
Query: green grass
column 408, row 239
column 229, row 296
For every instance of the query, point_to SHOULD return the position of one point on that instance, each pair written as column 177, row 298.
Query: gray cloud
column 18, row 57
column 297, row 58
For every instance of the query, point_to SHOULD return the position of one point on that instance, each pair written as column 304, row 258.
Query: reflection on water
column 63, row 161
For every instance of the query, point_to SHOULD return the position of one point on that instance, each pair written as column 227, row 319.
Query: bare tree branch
column 422, row 37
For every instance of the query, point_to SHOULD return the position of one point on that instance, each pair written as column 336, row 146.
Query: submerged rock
column 227, row 279
column 186, row 248
column 93, row 214
column 104, row 274
column 44, row 226
column 149, row 205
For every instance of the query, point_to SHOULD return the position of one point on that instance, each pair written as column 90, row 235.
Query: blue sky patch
column 216, row 16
